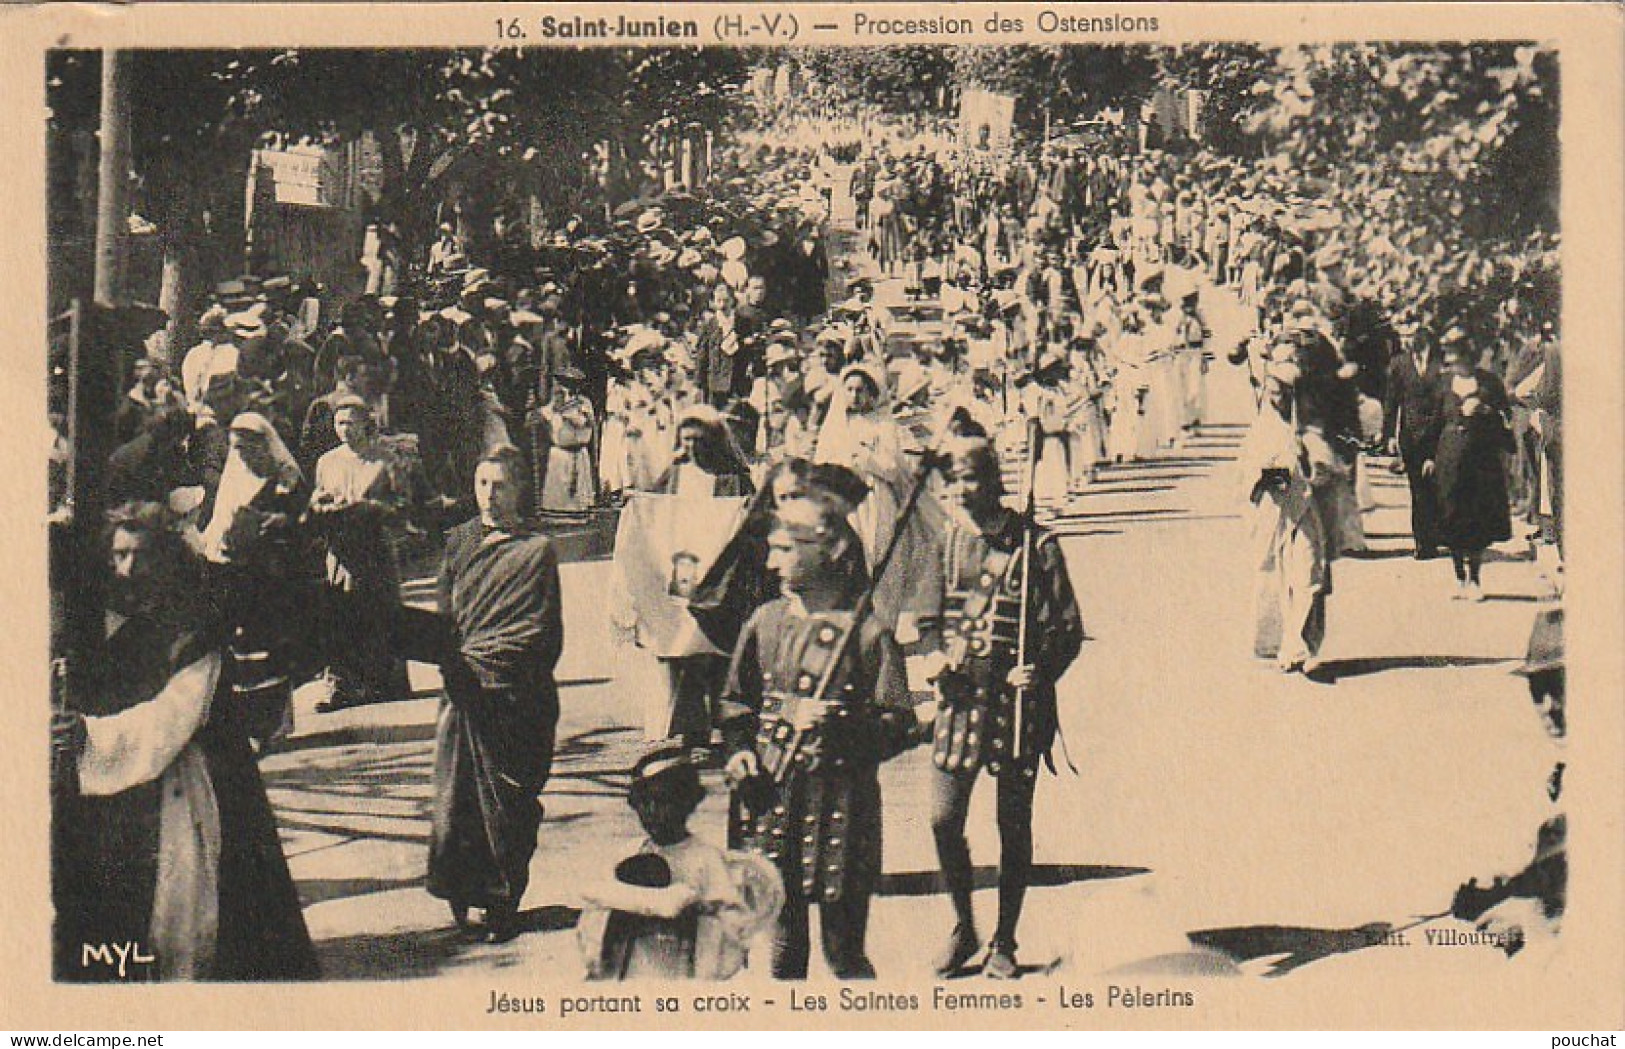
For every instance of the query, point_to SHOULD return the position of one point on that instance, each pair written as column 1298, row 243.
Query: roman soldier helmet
column 973, row 456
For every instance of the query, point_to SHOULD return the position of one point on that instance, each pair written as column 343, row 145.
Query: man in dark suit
column 1411, row 424
column 729, row 360
column 726, row 349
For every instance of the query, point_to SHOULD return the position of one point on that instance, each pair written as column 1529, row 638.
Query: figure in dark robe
column 1475, row 433
column 165, row 859
column 362, row 488
column 265, row 573
column 499, row 586
column 1411, row 423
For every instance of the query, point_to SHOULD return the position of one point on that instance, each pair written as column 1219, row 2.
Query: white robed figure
column 1289, row 547
column 1087, row 418
column 639, row 435
column 1129, row 438
column 1164, row 391
column 614, row 449
column 861, row 434
column 664, row 545
column 569, row 484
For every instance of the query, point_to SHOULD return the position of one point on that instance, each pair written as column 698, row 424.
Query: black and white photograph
column 1051, row 533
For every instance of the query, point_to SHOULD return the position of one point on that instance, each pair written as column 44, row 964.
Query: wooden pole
column 113, row 179
column 1034, row 438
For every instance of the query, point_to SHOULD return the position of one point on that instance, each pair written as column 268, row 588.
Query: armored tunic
column 978, row 625
column 823, row 827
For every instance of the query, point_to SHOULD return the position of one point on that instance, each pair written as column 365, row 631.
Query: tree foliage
column 1442, row 159
column 1066, row 81
column 894, row 79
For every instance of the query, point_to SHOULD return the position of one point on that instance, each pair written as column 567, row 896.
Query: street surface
column 1211, row 791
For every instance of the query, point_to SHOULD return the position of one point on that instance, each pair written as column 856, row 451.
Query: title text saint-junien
column 619, row 28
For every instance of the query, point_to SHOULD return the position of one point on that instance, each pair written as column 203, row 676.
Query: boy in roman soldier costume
column 996, row 687
column 813, row 713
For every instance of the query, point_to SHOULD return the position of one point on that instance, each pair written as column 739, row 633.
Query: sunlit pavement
column 1211, row 790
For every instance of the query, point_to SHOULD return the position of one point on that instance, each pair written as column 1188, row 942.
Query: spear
column 864, row 608
column 1028, row 522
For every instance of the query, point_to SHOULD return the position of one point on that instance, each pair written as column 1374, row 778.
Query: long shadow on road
column 1044, row 875
column 351, row 735
column 1335, row 669
column 1298, row 944
column 422, row 953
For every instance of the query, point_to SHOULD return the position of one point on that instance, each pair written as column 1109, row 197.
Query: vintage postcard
column 585, row 516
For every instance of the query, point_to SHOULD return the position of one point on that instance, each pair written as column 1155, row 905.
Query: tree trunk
column 175, row 294
column 113, row 181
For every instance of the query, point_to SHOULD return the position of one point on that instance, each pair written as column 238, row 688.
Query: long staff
column 864, row 609
column 1034, row 432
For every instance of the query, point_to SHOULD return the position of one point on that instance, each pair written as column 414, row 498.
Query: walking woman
column 568, row 482
column 266, row 573
column 1472, row 483
column 1290, row 552
column 889, row 236
column 708, row 465
column 361, row 489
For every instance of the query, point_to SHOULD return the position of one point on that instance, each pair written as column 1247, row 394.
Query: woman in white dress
column 1127, row 355
column 1160, row 425
column 862, row 437
column 1087, row 417
column 1290, row 552
column 568, row 485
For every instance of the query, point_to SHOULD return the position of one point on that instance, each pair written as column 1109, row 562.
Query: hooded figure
column 861, row 435
column 265, row 573
column 1290, row 551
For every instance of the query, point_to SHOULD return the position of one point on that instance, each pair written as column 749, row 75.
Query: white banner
column 663, row 548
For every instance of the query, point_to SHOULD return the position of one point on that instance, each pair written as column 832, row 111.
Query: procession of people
column 802, row 390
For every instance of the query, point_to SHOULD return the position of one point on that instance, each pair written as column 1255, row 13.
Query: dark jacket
column 1413, row 406
column 722, row 374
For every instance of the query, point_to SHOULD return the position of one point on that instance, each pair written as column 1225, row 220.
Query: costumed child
column 678, row 908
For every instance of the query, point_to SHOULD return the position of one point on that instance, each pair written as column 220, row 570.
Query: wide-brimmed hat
column 666, row 767
column 247, row 324
column 778, row 353
column 702, row 415
column 909, row 379
column 238, row 292
column 834, row 335
column 650, row 220
column 875, row 378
